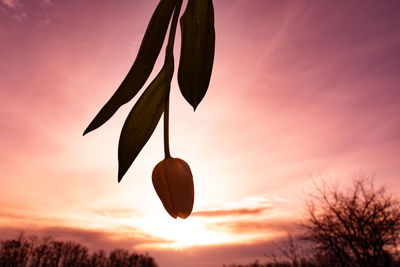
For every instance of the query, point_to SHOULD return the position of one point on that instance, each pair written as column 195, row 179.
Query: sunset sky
column 301, row 92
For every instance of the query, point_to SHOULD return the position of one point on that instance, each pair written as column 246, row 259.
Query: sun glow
column 183, row 233
column 201, row 230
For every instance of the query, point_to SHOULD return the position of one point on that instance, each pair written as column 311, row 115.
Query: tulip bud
column 173, row 182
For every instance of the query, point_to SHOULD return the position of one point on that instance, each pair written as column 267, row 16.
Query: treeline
column 37, row 252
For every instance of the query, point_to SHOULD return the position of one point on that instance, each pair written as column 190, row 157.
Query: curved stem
column 169, row 53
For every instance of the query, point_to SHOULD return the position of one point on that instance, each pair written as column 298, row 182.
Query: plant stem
column 169, row 53
column 166, row 129
column 172, row 30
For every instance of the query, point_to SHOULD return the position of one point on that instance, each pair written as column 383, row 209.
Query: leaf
column 144, row 117
column 197, row 50
column 142, row 67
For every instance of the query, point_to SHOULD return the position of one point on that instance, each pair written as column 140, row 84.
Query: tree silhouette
column 99, row 259
column 359, row 227
column 291, row 251
column 35, row 252
column 14, row 252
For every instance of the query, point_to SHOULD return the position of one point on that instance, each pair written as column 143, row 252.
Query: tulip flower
column 173, row 182
column 172, row 177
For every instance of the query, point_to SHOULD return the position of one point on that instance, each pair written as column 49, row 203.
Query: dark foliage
column 358, row 227
column 35, row 252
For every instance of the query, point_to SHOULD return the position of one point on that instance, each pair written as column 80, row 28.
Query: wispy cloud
column 260, row 227
column 10, row 3
column 229, row 212
column 250, row 206
column 260, row 217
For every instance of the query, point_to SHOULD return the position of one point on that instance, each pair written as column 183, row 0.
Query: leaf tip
column 88, row 129
column 121, row 173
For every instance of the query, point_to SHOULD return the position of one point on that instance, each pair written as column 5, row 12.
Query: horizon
column 301, row 92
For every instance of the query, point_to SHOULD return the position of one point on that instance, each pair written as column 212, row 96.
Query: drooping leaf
column 144, row 117
column 197, row 50
column 137, row 76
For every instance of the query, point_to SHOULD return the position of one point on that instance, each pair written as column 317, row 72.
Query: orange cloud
column 229, row 212
column 255, row 226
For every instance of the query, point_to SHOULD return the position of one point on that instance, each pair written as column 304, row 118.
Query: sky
column 301, row 92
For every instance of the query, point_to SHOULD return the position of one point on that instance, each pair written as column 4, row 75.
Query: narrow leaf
column 139, row 73
column 197, row 50
column 143, row 118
